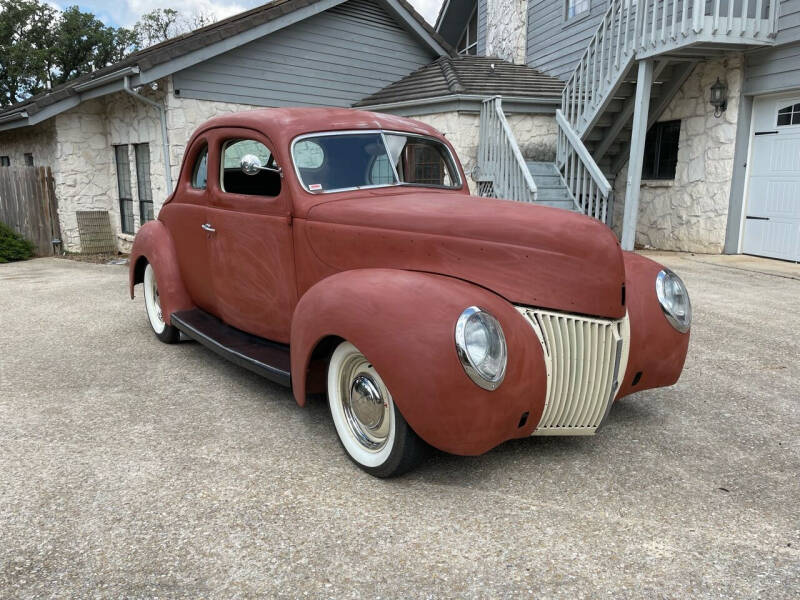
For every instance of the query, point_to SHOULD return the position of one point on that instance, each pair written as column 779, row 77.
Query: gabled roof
column 468, row 76
column 177, row 53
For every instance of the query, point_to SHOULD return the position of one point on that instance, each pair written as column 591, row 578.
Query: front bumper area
column 586, row 359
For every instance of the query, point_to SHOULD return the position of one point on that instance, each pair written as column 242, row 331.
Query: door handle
column 207, row 227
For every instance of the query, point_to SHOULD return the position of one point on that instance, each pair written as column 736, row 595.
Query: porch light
column 719, row 97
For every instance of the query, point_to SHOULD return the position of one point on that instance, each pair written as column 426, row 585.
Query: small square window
column 5, row 161
column 576, row 7
column 661, row 150
column 28, row 159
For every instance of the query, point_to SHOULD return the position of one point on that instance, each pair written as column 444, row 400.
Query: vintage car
column 340, row 252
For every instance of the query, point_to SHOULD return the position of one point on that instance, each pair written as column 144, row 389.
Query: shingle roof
column 184, row 44
column 468, row 75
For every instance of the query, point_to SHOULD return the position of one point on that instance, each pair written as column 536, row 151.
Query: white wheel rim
column 361, row 407
column 152, row 301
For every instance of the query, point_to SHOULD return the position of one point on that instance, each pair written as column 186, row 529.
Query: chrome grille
column 586, row 361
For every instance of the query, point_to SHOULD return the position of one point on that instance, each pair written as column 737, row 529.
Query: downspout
column 162, row 114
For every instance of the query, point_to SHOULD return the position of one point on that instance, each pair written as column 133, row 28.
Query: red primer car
column 340, row 252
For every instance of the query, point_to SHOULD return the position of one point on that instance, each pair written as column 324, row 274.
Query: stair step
column 542, row 168
column 554, row 198
column 565, row 205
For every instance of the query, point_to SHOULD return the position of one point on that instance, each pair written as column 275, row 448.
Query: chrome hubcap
column 365, row 404
column 157, row 300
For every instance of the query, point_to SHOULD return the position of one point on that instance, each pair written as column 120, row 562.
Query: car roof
column 282, row 125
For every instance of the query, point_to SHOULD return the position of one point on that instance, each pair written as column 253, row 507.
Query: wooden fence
column 28, row 205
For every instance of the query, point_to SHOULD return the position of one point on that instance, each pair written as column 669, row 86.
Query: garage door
column 772, row 225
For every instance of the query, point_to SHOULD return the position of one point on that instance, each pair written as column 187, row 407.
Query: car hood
column 531, row 255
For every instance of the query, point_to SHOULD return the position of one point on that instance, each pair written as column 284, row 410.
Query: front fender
column 404, row 323
column 153, row 244
column 657, row 349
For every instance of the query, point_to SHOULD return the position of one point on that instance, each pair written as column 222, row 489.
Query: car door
column 186, row 219
column 252, row 256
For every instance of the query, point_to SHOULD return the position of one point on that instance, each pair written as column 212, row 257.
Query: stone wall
column 690, row 213
column 185, row 115
column 85, row 174
column 84, row 170
column 506, row 29
column 38, row 140
column 535, row 134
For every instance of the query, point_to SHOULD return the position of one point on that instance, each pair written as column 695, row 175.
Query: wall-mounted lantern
column 719, row 97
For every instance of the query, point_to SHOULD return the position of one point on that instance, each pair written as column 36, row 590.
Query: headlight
column 481, row 347
column 674, row 299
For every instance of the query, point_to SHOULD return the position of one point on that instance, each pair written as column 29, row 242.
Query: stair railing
column 585, row 182
column 607, row 56
column 632, row 29
column 501, row 170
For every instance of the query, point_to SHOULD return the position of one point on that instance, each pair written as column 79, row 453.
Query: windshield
column 331, row 162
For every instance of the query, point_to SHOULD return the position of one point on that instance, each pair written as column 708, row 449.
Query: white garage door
column 772, row 225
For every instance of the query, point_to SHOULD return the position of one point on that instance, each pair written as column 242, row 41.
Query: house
column 603, row 107
column 639, row 142
column 115, row 139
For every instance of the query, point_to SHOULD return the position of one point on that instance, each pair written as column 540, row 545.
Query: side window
column 574, row 8
column 200, row 172
column 661, row 150
column 266, row 182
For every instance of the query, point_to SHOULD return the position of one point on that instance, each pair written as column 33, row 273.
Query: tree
column 41, row 47
column 161, row 24
column 24, row 34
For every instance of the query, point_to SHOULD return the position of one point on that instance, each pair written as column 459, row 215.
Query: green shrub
column 13, row 246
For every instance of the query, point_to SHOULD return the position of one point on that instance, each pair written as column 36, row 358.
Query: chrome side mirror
column 251, row 164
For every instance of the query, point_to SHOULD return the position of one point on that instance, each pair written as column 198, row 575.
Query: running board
column 266, row 358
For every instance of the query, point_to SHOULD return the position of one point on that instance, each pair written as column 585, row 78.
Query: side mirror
column 251, row 164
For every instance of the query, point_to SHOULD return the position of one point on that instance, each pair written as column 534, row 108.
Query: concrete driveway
column 129, row 468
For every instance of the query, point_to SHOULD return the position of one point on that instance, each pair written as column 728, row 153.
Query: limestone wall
column 535, row 134
column 38, row 140
column 506, row 29
column 185, row 115
column 690, row 213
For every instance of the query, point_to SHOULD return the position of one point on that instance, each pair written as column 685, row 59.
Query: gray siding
column 788, row 22
column 555, row 45
column 331, row 59
column 772, row 69
column 481, row 27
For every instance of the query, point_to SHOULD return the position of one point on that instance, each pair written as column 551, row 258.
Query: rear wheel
column 152, row 302
column 373, row 432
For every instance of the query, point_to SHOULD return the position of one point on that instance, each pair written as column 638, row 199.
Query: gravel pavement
column 129, row 468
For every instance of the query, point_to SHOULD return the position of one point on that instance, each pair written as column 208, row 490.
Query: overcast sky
column 127, row 12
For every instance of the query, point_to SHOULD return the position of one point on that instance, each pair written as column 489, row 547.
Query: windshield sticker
column 315, row 187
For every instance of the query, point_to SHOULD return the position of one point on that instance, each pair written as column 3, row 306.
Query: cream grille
column 586, row 361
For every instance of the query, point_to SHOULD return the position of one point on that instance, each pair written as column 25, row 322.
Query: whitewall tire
column 152, row 302
column 370, row 427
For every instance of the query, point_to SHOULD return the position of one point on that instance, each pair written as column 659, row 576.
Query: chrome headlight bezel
column 664, row 281
column 486, row 381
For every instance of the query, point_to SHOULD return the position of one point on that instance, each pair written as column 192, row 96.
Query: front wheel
column 152, row 302
column 373, row 432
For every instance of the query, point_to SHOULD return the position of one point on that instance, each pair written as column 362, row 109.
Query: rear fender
column 154, row 245
column 404, row 323
column 657, row 349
